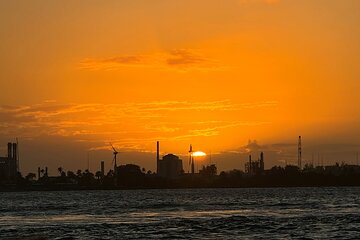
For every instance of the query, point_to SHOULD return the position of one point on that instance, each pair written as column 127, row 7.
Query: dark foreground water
column 313, row 213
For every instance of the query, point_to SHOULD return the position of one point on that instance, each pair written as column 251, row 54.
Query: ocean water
column 273, row 213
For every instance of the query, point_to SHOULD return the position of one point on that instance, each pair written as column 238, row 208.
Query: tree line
column 132, row 176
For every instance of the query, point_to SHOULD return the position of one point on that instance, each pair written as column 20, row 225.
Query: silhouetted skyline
column 170, row 174
column 140, row 71
column 255, row 104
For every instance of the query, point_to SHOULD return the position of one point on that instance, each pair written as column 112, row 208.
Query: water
column 313, row 213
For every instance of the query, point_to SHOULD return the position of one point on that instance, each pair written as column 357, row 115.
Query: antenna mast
column 17, row 156
column 299, row 153
column 88, row 166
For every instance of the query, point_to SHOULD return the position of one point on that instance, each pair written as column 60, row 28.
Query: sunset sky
column 229, row 77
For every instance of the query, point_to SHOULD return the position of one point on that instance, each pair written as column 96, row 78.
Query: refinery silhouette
column 170, row 174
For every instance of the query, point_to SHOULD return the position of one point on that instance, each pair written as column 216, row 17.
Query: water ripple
column 296, row 213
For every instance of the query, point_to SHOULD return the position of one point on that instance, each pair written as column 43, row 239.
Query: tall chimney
column 38, row 173
column 14, row 151
column 46, row 171
column 14, row 159
column 299, row 153
column 102, row 168
column 192, row 165
column 158, row 150
column 157, row 156
column 9, row 150
column 191, row 160
column 250, row 167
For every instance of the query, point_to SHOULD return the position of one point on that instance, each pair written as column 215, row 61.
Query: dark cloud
column 179, row 59
column 184, row 58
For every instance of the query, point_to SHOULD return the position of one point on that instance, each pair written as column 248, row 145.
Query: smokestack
column 157, row 156
column 299, row 153
column 192, row 160
column 14, row 151
column 46, row 171
column 192, row 165
column 250, row 167
column 157, row 150
column 9, row 150
column 102, row 168
column 38, row 173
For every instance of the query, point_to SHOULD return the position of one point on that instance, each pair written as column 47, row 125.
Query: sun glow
column 92, row 84
column 198, row 154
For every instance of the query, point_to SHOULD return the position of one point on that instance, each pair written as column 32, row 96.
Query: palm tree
column 60, row 170
column 30, row 176
column 71, row 174
column 78, row 173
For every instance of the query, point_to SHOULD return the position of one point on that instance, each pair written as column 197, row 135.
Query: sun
column 198, row 154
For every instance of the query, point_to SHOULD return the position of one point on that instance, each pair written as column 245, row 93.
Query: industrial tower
column 299, row 153
column 191, row 160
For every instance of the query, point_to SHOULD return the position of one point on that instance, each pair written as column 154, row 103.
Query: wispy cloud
column 133, row 123
column 213, row 131
column 177, row 59
column 259, row 1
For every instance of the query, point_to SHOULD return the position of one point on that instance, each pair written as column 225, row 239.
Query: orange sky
column 76, row 75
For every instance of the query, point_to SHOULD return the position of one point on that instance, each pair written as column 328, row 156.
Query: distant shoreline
column 84, row 188
column 132, row 177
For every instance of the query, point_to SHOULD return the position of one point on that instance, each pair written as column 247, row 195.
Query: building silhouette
column 255, row 167
column 208, row 171
column 170, row 166
column 9, row 165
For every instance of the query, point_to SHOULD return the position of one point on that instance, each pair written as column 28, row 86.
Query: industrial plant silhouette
column 170, row 174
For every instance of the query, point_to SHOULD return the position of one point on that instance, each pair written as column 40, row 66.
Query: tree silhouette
column 79, row 173
column 30, row 176
column 71, row 174
column 60, row 170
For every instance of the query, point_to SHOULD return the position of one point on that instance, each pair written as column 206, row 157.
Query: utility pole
column 17, row 156
column 299, row 153
column 312, row 159
column 88, row 164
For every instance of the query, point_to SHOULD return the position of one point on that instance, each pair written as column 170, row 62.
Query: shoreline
column 64, row 189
